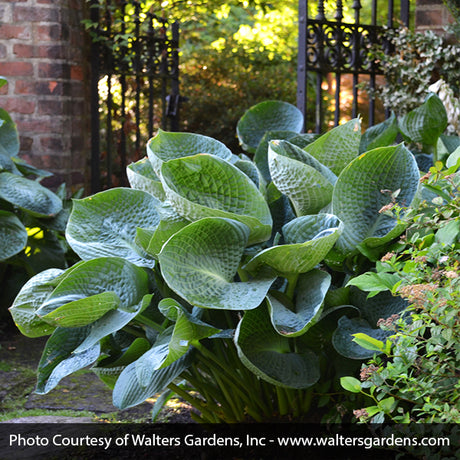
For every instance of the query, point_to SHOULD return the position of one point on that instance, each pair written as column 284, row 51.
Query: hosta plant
column 222, row 278
column 32, row 218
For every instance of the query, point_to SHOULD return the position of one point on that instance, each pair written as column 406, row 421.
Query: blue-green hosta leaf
column 29, row 195
column 167, row 146
column 311, row 291
column 306, row 182
column 200, row 261
column 365, row 186
column 105, row 224
column 453, row 158
column 112, row 322
column 59, row 360
column 127, row 281
column 267, row 116
column 141, row 176
column 342, row 339
column 261, row 154
column 268, row 354
column 26, row 169
column 30, row 299
column 13, row 235
column 108, row 370
column 425, row 123
column 83, row 311
column 338, row 147
column 9, row 138
column 308, row 239
column 250, row 169
column 280, row 208
column 206, row 186
column 128, row 391
column 380, row 135
column 7, row 164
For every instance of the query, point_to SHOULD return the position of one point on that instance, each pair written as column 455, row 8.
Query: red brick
column 42, row 88
column 55, row 144
column 24, row 51
column 19, row 105
column 26, row 143
column 429, row 18
column 37, row 125
column 76, row 72
column 2, row 51
column 8, row 31
column 35, row 14
column 16, row 69
column 52, row 52
column 50, row 107
column 48, row 33
column 54, row 70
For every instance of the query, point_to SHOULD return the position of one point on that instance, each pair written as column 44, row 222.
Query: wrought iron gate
column 134, row 87
column 330, row 48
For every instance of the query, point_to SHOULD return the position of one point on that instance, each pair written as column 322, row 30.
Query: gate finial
column 320, row 16
column 339, row 12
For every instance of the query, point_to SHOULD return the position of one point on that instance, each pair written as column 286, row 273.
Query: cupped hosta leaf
column 83, row 311
column 108, row 370
column 170, row 146
column 269, row 355
column 29, row 195
column 308, row 239
column 9, row 138
column 311, row 291
column 306, row 182
column 105, row 224
column 206, row 186
column 250, row 169
column 200, row 261
column 127, row 281
column 380, row 135
column 30, row 299
column 261, row 154
column 425, row 123
column 365, row 186
column 267, row 116
column 141, row 176
column 342, row 338
column 338, row 147
column 13, row 235
column 128, row 391
column 59, row 360
column 27, row 170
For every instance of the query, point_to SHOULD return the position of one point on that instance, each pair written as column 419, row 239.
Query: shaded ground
column 79, row 395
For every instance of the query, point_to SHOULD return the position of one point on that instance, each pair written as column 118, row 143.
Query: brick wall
column 44, row 58
column 432, row 15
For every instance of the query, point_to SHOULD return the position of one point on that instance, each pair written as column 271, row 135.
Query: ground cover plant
column 32, row 218
column 224, row 278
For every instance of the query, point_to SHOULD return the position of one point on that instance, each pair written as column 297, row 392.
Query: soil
column 80, row 395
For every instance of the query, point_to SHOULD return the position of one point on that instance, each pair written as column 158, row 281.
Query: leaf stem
column 148, row 322
column 292, row 283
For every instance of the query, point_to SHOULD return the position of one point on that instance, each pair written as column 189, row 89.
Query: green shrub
column 223, row 279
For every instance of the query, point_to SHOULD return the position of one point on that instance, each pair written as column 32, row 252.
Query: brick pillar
column 43, row 56
column 432, row 15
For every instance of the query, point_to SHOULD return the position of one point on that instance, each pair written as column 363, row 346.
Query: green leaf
column 343, row 342
column 380, row 135
column 375, row 282
column 311, row 291
column 59, row 360
column 127, row 281
column 29, row 195
column 369, row 343
column 170, row 146
column 365, row 186
column 27, row 169
column 351, row 384
column 453, row 158
column 83, row 311
column 267, row 116
column 338, row 147
column 449, row 233
column 387, row 404
column 9, row 138
column 268, row 354
column 13, row 235
column 206, row 186
column 200, row 261
column 308, row 240
column 105, row 224
column 306, row 182
column 425, row 123
column 30, row 299
column 141, row 176
column 128, row 390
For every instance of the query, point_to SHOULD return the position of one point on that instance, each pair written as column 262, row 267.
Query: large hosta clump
column 219, row 269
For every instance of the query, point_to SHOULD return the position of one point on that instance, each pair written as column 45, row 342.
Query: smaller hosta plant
column 418, row 378
column 222, row 278
column 32, row 218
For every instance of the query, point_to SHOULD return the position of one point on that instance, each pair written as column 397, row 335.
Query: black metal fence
column 330, row 48
column 134, row 87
